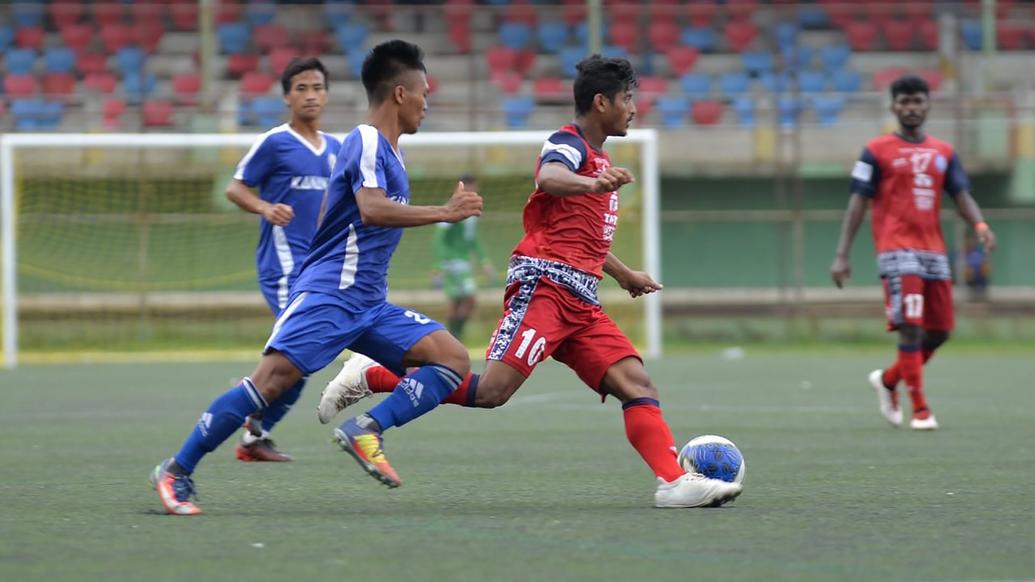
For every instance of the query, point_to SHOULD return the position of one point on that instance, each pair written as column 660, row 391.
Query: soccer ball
column 714, row 457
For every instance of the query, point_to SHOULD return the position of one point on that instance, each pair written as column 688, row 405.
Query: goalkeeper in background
column 456, row 247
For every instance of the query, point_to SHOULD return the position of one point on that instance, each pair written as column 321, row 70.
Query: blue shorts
column 316, row 327
column 275, row 292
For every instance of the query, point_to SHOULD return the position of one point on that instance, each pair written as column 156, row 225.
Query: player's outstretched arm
column 637, row 283
column 841, row 270
column 376, row 209
column 555, row 178
column 240, row 194
column 970, row 211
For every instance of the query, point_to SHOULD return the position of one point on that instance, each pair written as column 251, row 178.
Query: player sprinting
column 902, row 176
column 457, row 251
column 338, row 300
column 290, row 165
column 550, row 303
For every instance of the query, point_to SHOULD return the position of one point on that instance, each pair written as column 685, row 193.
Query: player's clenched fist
column 278, row 214
column 463, row 204
column 612, row 179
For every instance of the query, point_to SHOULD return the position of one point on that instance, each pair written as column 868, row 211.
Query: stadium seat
column 681, row 59
column 256, row 83
column 184, row 16
column 733, row 84
column 898, row 34
column 551, row 90
column 861, row 35
column 574, row 12
column 102, row 82
column 622, row 10
column 786, row 34
column 280, row 58
column 624, row 33
column 515, row 35
column 147, row 35
column 500, row 58
column 883, row 78
column 29, row 37
column 569, row 57
column 841, row 14
column 355, row 59
column 58, row 85
column 828, row 108
column 653, row 86
column 312, row 42
column 744, row 108
column 137, row 86
column 933, row 78
column 970, row 30
column 774, row 83
column 740, row 34
column 702, row 39
column 20, row 85
column 351, row 36
column 788, row 109
column 459, row 32
column 696, row 85
column 701, row 14
column 147, row 14
column 185, row 88
column 928, row 34
column 813, row 17
column 64, row 14
column 663, row 35
column 260, row 13
column 337, row 14
column 33, row 114
column 610, row 51
column 6, row 37
column 239, row 65
column 812, row 82
column 156, row 113
column 796, row 57
column 757, row 63
column 228, row 13
column 77, row 36
column 112, row 109
column 582, row 33
column 130, row 60
column 706, row 112
column 1010, row 36
column 20, row 61
column 27, row 14
column 835, row 56
column 521, row 13
column 846, row 81
column 233, row 37
column 508, row 81
column 107, row 13
column 552, row 36
column 516, row 111
column 270, row 36
column 268, row 111
column 115, row 36
column 673, row 110
column 89, row 63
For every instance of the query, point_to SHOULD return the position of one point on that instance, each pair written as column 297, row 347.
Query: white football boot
column 889, row 407
column 924, row 421
column 695, row 490
column 346, row 389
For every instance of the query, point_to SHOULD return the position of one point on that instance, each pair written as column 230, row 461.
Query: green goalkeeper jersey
column 455, row 245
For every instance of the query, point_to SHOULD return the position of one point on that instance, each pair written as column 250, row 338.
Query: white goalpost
column 58, row 191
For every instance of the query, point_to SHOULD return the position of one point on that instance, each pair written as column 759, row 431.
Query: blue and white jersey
column 349, row 258
column 287, row 169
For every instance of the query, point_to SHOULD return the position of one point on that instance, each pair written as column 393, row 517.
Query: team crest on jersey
column 309, row 183
column 600, row 164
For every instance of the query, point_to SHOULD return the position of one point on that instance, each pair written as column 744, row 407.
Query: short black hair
column 297, row 66
column 385, row 62
column 608, row 77
column 909, row 85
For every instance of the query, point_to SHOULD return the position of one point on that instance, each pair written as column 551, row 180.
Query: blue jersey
column 286, row 169
column 348, row 258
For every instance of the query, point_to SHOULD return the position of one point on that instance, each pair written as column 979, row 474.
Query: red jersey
column 905, row 180
column 574, row 230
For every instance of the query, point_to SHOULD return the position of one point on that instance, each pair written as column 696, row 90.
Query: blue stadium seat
column 757, row 63
column 812, row 82
column 337, row 14
column 6, row 37
column 582, row 33
column 553, row 36
column 846, row 81
column 611, row 51
column 129, row 60
column 351, row 37
column 137, row 87
column 774, row 83
column 569, row 57
column 788, row 108
column 702, row 38
column 673, row 111
column 233, row 37
column 356, row 58
column 796, row 56
column 744, row 107
column 260, row 12
column 27, row 14
column 696, row 85
column 498, row 2
column 20, row 61
column 59, row 60
column 834, row 57
column 516, row 110
column 970, row 30
column 733, row 84
column 786, row 34
column 812, row 17
column 515, row 35
column 828, row 108
column 33, row 114
column 268, row 111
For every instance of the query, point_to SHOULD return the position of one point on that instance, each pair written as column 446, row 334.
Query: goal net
column 116, row 244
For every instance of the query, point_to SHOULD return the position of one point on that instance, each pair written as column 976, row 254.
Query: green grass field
column 545, row 488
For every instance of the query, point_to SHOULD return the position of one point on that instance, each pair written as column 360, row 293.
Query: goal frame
column 650, row 181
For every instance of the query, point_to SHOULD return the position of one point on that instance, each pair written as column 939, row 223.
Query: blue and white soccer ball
column 714, row 457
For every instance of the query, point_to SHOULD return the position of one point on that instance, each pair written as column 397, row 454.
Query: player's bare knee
column 274, row 376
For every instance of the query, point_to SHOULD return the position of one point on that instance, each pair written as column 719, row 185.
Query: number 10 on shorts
column 528, row 339
column 913, row 304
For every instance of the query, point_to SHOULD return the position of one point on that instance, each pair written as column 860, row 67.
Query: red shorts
column 542, row 318
column 909, row 299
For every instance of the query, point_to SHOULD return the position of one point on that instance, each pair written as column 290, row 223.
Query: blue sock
column 222, row 419
column 415, row 395
column 280, row 407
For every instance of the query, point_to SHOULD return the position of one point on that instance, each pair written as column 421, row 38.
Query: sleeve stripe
column 571, row 154
column 368, row 157
column 239, row 172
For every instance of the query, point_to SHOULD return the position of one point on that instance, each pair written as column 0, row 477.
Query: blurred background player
column 902, row 176
column 551, row 306
column 457, row 250
column 339, row 300
column 289, row 165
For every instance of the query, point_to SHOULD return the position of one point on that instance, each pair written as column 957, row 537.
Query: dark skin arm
column 841, row 270
column 970, row 211
column 555, row 178
column 376, row 209
column 240, row 194
column 637, row 283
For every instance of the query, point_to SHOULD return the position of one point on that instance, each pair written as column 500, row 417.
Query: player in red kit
column 550, row 303
column 902, row 176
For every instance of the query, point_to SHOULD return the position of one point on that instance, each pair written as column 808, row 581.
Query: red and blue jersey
column 574, row 230
column 904, row 181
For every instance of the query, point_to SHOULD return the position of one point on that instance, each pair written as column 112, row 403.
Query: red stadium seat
column 312, row 42
column 551, row 89
column 115, row 36
column 101, row 82
column 664, row 10
column 898, row 34
column 28, row 37
column 883, row 78
column 107, row 13
column 501, row 58
column 66, row 13
column 681, row 59
column 113, row 110
column 740, row 34
column 1010, row 36
column 508, row 81
column 624, row 11
column 229, row 12
column 933, row 78
column 58, row 85
column 280, row 58
column 525, row 61
column 741, row 9
column 861, row 35
column 91, row 63
column 653, row 86
column 624, row 33
column 147, row 35
column 702, row 14
column 146, row 13
column 878, row 13
column 574, row 11
column 432, row 85
column 928, row 33
column 185, row 88
column 520, row 12
column 841, row 14
column 270, row 36
column 77, row 36
column 241, row 64
column 460, row 34
column 20, row 85
column 663, row 35
column 157, row 113
column 706, row 112
column 254, row 83
column 184, row 16
column 644, row 107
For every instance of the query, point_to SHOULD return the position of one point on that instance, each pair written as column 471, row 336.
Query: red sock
column 911, row 362
column 464, row 394
column 893, row 375
column 380, row 379
column 650, row 436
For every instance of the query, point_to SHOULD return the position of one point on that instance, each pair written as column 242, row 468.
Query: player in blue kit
column 290, row 165
column 339, row 298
